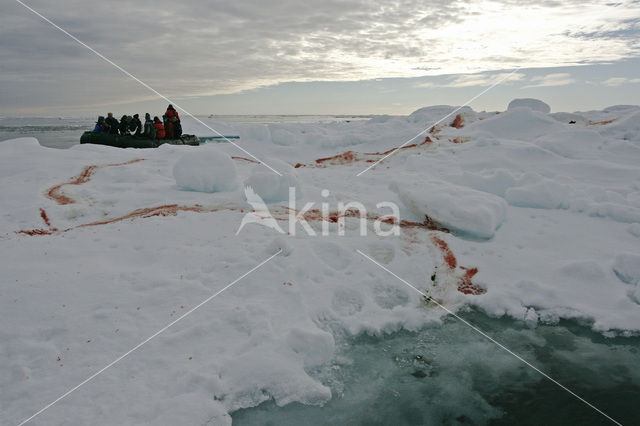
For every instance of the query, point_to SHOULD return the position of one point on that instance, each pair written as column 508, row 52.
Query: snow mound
column 380, row 119
column 626, row 127
column 545, row 194
column 571, row 143
column 281, row 134
column 627, row 268
column 568, row 117
column 271, row 187
column 517, row 123
column 493, row 181
column 205, row 170
column 533, row 104
column 621, row 108
column 429, row 115
column 471, row 212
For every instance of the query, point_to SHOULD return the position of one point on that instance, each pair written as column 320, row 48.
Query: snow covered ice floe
column 533, row 104
column 544, row 216
column 207, row 170
column 270, row 186
column 458, row 208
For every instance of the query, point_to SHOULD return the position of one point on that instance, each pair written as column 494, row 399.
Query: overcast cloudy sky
column 330, row 56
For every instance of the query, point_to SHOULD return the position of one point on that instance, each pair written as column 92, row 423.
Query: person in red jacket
column 172, row 122
column 171, row 112
column 159, row 127
column 168, row 126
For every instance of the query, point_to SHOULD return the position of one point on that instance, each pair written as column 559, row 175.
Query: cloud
column 471, row 80
column 200, row 47
column 550, row 80
column 619, row 81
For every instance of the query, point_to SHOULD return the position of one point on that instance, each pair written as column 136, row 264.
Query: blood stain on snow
column 245, row 159
column 165, row 210
column 460, row 139
column 45, row 218
column 600, row 123
column 147, row 212
column 315, row 215
column 310, row 215
column 447, row 254
column 350, row 157
column 55, row 192
column 458, row 122
column 465, row 284
column 33, row 232
column 344, row 158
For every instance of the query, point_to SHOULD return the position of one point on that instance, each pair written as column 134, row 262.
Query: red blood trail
column 465, row 284
column 245, row 159
column 45, row 218
column 55, row 192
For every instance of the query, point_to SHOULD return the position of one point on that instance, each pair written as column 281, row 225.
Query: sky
column 316, row 57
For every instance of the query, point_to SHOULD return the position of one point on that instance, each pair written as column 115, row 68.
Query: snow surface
column 548, row 213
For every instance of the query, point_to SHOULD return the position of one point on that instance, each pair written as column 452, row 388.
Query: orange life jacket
column 159, row 129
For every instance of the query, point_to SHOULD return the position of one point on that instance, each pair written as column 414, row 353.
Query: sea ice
column 206, row 170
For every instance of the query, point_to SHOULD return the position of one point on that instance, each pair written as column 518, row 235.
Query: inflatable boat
column 128, row 141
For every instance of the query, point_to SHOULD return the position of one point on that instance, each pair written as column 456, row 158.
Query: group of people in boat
column 168, row 128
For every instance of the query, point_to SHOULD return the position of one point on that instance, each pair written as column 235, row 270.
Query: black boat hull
column 134, row 141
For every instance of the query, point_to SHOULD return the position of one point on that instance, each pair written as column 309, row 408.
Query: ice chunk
column 615, row 211
column 205, row 170
column 271, row 187
column 458, row 208
column 427, row 116
column 533, row 104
